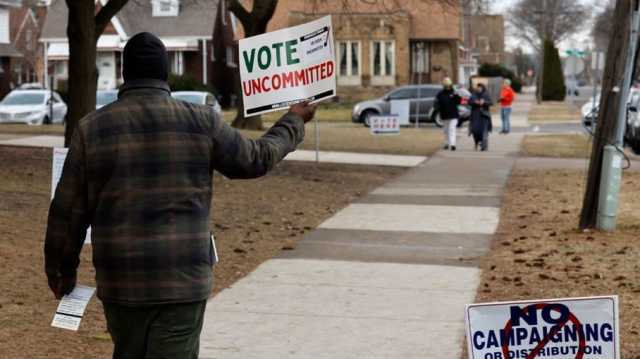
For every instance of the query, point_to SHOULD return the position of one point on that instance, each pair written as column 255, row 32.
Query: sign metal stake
column 317, row 128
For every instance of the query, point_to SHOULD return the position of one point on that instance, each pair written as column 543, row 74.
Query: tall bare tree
column 84, row 27
column 603, row 25
column 535, row 21
column 254, row 22
column 609, row 106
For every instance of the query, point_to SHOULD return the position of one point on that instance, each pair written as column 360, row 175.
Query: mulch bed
column 253, row 221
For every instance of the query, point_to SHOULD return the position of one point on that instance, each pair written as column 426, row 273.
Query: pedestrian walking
column 507, row 96
column 480, row 124
column 139, row 172
column 446, row 105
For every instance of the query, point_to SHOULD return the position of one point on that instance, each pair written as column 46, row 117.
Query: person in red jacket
column 507, row 96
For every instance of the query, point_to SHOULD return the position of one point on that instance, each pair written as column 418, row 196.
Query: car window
column 193, row 98
column 403, row 94
column 210, row 100
column 106, row 97
column 24, row 99
column 56, row 97
column 428, row 92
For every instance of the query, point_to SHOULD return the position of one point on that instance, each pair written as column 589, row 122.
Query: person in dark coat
column 139, row 172
column 480, row 124
column 446, row 105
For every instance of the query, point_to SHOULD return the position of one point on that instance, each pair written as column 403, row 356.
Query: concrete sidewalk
column 375, row 159
column 386, row 277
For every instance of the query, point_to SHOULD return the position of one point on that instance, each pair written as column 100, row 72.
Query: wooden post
column 610, row 100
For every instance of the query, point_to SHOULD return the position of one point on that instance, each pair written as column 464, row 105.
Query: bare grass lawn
column 538, row 252
column 554, row 111
column 253, row 221
column 567, row 146
column 356, row 138
column 20, row 129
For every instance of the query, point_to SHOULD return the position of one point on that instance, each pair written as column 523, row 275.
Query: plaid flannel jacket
column 139, row 172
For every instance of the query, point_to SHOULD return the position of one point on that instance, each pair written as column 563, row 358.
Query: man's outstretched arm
column 237, row 157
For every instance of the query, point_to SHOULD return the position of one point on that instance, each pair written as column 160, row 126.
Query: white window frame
column 177, row 66
column 349, row 79
column 4, row 26
column 158, row 10
column 383, row 79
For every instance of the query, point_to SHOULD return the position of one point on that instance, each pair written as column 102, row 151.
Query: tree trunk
column 83, row 74
column 246, row 123
column 609, row 107
column 254, row 23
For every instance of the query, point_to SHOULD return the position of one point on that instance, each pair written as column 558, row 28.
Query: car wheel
column 366, row 117
column 437, row 120
column 39, row 122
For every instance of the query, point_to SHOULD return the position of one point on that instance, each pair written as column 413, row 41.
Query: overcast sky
column 579, row 41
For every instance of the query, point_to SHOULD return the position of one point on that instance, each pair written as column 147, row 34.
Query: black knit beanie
column 145, row 57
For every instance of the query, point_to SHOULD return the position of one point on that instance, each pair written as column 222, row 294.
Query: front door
column 106, row 64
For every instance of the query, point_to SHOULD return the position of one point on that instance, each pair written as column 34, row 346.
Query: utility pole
column 612, row 159
column 600, row 202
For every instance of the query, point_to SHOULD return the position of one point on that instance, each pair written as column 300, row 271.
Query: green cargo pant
column 170, row 331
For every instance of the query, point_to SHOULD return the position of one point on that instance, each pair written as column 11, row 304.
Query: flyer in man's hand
column 71, row 308
column 284, row 67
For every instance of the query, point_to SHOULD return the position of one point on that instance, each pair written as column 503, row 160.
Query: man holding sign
column 139, row 171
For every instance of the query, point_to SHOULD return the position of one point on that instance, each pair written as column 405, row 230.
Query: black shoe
column 446, row 147
column 453, row 148
column 476, row 147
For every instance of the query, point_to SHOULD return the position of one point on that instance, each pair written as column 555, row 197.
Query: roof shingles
column 196, row 19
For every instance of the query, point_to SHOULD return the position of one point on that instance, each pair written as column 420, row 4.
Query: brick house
column 184, row 26
column 25, row 24
column 487, row 39
column 379, row 45
column 8, row 52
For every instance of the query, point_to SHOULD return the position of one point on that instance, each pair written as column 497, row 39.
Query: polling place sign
column 284, row 67
column 385, row 125
column 554, row 328
column 57, row 165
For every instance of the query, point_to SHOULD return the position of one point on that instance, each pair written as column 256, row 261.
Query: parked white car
column 200, row 98
column 32, row 107
column 105, row 97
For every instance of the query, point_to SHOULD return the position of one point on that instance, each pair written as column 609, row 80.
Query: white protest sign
column 284, row 67
column 59, row 156
column 385, row 125
column 550, row 328
column 401, row 108
column 71, row 308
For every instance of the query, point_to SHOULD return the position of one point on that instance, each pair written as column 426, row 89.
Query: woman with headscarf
column 480, row 124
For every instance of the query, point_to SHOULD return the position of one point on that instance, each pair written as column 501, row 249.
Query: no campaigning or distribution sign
column 284, row 67
column 580, row 328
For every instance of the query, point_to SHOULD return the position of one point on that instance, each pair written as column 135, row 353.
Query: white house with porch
column 184, row 26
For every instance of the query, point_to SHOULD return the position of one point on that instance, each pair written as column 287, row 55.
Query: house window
column 177, row 66
column 4, row 26
column 420, row 62
column 28, row 39
column 383, row 62
column 165, row 8
column 483, row 44
column 349, row 63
